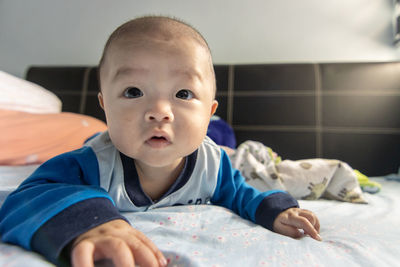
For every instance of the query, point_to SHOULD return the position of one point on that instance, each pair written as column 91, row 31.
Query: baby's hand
column 118, row 241
column 289, row 221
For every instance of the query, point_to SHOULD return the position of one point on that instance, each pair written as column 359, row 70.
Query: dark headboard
column 346, row 111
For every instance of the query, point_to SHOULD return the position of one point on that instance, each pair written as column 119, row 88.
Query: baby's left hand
column 291, row 220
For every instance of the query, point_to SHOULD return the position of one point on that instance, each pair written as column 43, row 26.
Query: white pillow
column 21, row 95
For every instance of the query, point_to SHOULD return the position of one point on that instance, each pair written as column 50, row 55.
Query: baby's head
column 157, row 89
column 155, row 27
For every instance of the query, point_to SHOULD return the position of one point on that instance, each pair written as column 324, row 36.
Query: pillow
column 221, row 132
column 28, row 138
column 21, row 95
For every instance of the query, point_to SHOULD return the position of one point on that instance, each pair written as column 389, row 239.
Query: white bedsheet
column 353, row 235
column 11, row 177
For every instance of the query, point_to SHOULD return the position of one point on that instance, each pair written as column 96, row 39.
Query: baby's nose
column 160, row 111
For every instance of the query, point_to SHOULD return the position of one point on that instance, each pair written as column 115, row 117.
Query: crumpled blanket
column 306, row 179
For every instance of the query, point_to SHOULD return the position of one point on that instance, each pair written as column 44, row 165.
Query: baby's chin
column 159, row 157
column 155, row 162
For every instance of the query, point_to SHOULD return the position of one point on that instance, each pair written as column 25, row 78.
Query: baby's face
column 158, row 97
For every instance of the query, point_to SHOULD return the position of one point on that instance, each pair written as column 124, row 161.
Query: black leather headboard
column 346, row 111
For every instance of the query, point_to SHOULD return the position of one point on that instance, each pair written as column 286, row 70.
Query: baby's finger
column 115, row 249
column 143, row 254
column 82, row 254
column 311, row 218
column 302, row 223
column 287, row 230
column 160, row 257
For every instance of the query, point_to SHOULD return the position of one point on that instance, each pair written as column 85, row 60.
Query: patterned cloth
column 304, row 179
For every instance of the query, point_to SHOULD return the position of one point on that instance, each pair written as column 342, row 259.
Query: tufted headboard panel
column 346, row 111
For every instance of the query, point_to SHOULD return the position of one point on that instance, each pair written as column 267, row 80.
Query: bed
column 304, row 96
column 353, row 234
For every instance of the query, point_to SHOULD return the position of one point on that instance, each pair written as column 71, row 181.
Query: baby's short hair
column 153, row 25
column 160, row 26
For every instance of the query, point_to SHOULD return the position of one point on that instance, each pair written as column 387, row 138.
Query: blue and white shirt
column 76, row 191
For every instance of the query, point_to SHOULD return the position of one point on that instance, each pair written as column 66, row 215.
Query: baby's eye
column 185, row 94
column 132, row 92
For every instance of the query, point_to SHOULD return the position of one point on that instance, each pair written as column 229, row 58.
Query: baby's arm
column 118, row 241
column 289, row 221
column 58, row 202
column 275, row 210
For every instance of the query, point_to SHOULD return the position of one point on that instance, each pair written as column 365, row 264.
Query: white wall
column 73, row 32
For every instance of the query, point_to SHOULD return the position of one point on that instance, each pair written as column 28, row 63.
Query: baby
column 158, row 93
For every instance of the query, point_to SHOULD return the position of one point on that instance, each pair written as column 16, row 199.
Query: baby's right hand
column 118, row 241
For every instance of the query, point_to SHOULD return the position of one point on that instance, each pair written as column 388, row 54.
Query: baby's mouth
column 158, row 142
column 158, row 138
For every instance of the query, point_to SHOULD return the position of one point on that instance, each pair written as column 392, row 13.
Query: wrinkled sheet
column 353, row 235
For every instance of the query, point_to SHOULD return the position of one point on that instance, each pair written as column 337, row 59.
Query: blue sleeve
column 58, row 184
column 53, row 238
column 234, row 193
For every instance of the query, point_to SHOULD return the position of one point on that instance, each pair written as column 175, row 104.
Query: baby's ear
column 214, row 107
column 101, row 102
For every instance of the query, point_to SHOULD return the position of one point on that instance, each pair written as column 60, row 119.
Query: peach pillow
column 28, row 138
